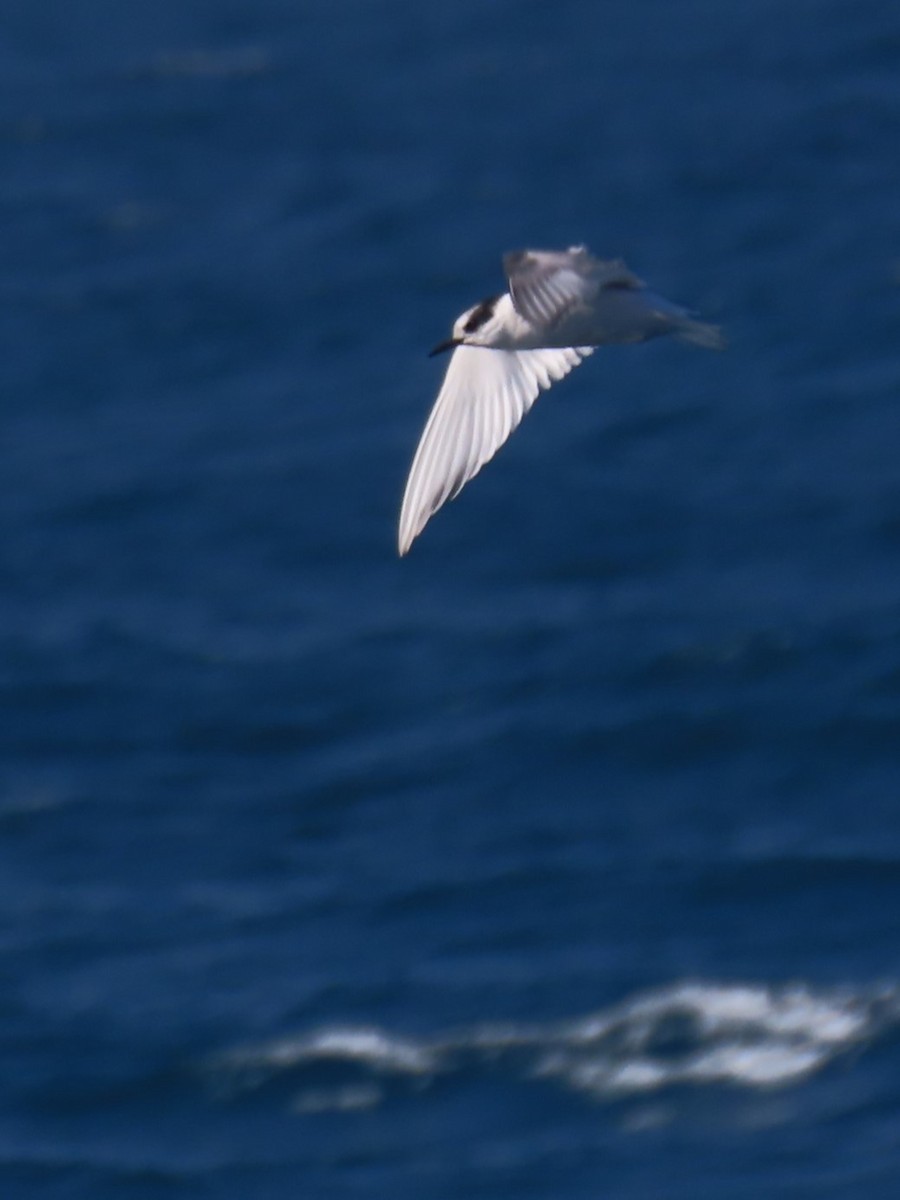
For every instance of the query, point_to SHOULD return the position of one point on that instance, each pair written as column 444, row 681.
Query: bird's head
column 468, row 329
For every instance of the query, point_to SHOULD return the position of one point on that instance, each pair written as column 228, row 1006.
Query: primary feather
column 484, row 397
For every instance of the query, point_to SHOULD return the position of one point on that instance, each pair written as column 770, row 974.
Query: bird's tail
column 701, row 334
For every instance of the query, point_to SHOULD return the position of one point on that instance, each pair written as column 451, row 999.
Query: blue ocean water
column 562, row 858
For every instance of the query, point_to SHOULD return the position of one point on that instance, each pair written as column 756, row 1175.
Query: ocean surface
column 560, row 859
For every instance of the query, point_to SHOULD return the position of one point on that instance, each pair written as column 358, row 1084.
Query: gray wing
column 548, row 285
column 483, row 398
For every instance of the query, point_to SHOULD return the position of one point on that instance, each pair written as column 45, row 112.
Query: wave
column 685, row 1034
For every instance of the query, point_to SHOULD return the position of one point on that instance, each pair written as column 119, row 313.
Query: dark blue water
column 562, row 858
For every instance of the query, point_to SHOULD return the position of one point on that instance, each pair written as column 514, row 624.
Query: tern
column 560, row 305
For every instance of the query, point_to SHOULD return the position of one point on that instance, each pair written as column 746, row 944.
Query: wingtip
column 405, row 539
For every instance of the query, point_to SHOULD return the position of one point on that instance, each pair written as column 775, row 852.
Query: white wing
column 484, row 396
column 548, row 285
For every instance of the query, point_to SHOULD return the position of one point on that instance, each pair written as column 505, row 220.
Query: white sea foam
column 372, row 1048
column 687, row 1034
column 339, row 1099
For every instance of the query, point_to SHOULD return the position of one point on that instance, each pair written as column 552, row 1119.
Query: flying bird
column 559, row 306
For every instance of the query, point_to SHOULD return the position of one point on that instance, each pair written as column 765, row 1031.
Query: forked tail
column 700, row 333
